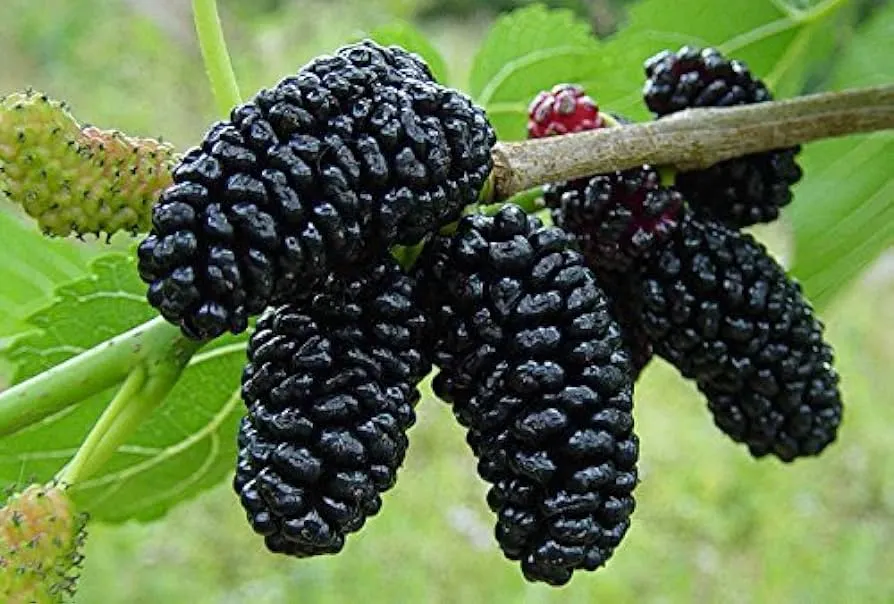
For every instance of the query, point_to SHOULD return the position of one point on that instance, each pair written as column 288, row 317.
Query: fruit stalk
column 143, row 391
column 91, row 372
column 215, row 55
column 690, row 139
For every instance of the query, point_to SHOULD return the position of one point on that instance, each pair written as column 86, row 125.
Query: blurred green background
column 711, row 525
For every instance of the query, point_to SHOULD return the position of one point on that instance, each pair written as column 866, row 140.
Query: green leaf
column 509, row 120
column 532, row 49
column 844, row 211
column 522, row 33
column 32, row 266
column 525, row 52
column 406, row 35
column 186, row 446
column 110, row 300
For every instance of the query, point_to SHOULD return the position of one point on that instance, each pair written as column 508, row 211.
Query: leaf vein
column 120, row 476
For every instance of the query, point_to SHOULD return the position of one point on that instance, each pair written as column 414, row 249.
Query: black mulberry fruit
column 330, row 387
column 720, row 309
column 624, row 293
column 321, row 173
column 740, row 191
column 534, row 365
column 618, row 219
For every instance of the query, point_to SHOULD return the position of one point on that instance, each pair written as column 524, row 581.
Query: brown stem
column 691, row 139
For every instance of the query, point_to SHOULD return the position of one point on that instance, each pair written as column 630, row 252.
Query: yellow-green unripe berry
column 73, row 179
column 41, row 535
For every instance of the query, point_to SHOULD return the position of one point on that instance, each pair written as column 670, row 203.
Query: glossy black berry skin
column 695, row 77
column 721, row 310
column 624, row 293
column 618, row 220
column 326, row 170
column 534, row 365
column 741, row 191
column 330, row 387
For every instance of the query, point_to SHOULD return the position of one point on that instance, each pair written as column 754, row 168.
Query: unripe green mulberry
column 41, row 535
column 75, row 179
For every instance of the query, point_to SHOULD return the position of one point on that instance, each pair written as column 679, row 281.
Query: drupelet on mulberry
column 563, row 109
column 740, row 191
column 330, row 386
column 719, row 308
column 322, row 172
column 534, row 365
column 618, row 219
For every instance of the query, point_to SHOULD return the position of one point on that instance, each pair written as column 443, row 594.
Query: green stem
column 215, row 55
column 528, row 200
column 545, row 217
column 406, row 255
column 82, row 376
column 73, row 470
column 142, row 392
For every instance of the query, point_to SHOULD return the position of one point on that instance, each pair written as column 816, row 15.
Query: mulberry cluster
column 321, row 173
column 534, row 365
column 740, row 191
column 719, row 308
column 706, row 298
column 330, row 387
column 538, row 332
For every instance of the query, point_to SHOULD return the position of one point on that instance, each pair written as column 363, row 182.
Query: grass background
column 711, row 524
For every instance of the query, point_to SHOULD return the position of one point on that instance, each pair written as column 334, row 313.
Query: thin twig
column 215, row 55
column 691, row 139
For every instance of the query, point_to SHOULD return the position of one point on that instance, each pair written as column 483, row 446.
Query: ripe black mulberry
column 740, row 191
column 618, row 219
column 720, row 309
column 330, row 387
column 534, row 365
column 325, row 171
